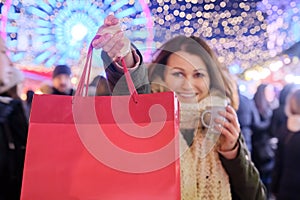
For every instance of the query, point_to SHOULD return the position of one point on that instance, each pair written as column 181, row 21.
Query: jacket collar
column 5, row 100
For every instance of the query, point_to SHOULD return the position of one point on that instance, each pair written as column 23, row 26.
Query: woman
column 13, row 128
column 263, row 145
column 279, row 117
column 286, row 179
column 212, row 167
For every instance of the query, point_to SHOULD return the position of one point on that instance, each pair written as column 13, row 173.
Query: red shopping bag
column 110, row 147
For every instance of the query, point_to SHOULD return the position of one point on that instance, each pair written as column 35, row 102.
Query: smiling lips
column 187, row 95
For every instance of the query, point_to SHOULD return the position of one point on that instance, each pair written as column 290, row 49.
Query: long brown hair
column 196, row 46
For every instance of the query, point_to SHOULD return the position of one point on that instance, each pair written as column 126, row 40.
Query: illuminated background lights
column 233, row 28
column 247, row 35
column 51, row 32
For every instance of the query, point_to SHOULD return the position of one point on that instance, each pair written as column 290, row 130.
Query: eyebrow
column 195, row 70
column 178, row 68
column 200, row 69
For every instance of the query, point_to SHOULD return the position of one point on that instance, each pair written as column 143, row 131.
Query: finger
column 108, row 47
column 227, row 126
column 229, row 137
column 233, row 120
column 231, row 110
column 234, row 117
column 231, row 116
column 226, row 115
column 115, row 50
column 231, row 129
column 111, row 20
column 101, row 40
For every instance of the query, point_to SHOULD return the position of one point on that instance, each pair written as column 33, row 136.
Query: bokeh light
column 52, row 32
column 244, row 33
column 247, row 35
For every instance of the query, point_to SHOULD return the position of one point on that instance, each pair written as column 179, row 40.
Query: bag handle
column 85, row 77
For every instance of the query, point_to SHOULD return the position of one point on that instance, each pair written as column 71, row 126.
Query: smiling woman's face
column 295, row 105
column 187, row 76
column 5, row 65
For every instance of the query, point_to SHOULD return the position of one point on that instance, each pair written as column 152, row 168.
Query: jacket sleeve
column 116, row 79
column 244, row 178
column 276, row 173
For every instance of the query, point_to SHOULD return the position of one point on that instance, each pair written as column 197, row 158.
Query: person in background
column 249, row 118
column 45, row 88
column 99, row 87
column 245, row 116
column 29, row 98
column 6, row 65
column 279, row 117
column 13, row 128
column 61, row 80
column 263, row 145
column 187, row 66
column 286, row 176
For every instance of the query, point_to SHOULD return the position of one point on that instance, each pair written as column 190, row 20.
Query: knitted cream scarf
column 202, row 173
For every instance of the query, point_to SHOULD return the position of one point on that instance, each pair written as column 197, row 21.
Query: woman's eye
column 177, row 74
column 199, row 75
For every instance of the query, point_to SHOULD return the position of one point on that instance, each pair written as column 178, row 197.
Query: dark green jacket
column 243, row 176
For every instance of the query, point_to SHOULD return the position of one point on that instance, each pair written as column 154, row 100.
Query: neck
column 68, row 92
column 293, row 123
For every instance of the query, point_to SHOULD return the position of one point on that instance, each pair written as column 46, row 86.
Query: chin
column 187, row 100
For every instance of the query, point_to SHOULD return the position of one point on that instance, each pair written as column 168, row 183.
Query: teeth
column 187, row 95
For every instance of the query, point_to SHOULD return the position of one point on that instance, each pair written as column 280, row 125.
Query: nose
column 187, row 84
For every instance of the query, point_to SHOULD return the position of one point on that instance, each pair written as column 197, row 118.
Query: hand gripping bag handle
column 84, row 79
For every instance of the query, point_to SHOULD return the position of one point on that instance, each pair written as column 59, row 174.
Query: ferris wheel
column 52, row 32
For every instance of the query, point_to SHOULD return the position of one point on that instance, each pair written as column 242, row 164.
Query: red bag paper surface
column 110, row 147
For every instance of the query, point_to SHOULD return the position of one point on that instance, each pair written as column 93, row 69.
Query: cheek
column 202, row 88
column 2, row 65
column 1, row 72
column 294, row 108
column 63, row 81
column 56, row 82
column 4, row 73
column 66, row 82
column 270, row 96
column 203, row 85
column 172, row 83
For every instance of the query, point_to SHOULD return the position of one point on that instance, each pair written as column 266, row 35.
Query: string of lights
column 250, row 37
column 244, row 33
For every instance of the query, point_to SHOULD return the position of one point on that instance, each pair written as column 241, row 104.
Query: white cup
column 207, row 117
